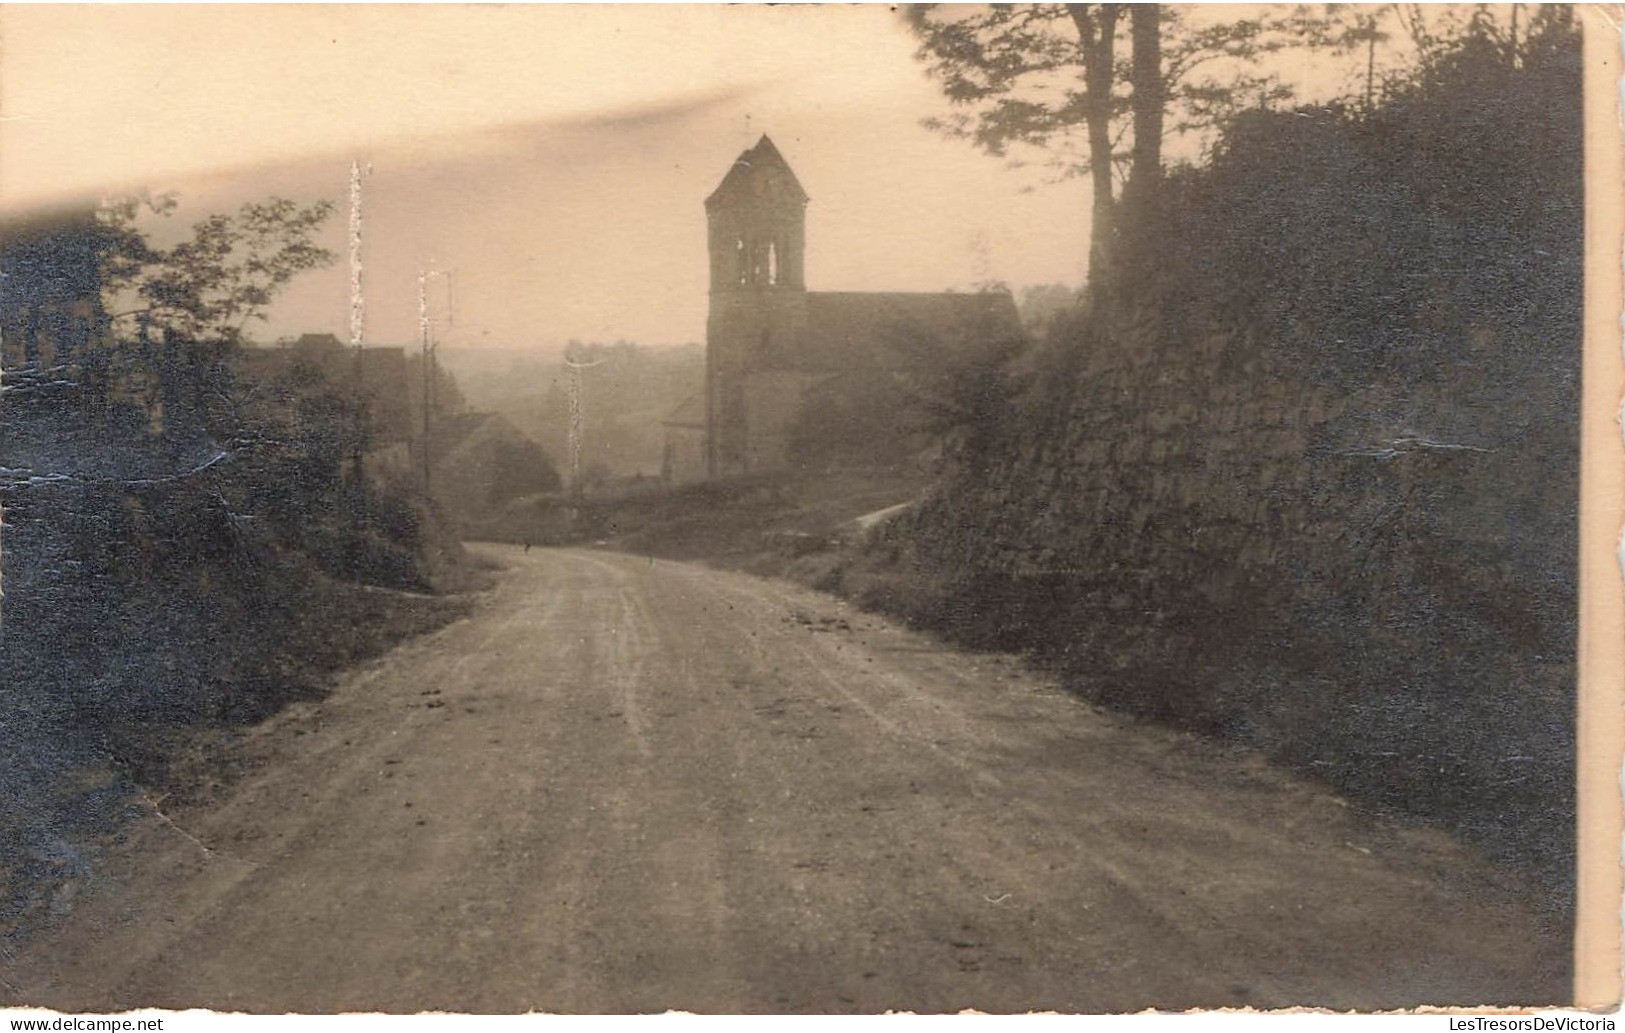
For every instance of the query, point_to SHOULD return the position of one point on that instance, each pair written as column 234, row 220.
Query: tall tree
column 1034, row 75
column 179, row 310
column 210, row 286
column 1097, row 37
column 1148, row 101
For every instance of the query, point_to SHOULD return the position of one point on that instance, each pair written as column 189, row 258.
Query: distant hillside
column 626, row 395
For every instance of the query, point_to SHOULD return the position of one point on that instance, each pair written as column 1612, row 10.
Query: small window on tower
column 741, row 263
column 772, row 264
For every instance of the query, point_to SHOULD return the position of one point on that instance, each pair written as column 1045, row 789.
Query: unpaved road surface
column 631, row 786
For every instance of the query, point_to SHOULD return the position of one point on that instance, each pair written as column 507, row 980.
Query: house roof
column 318, row 342
column 461, row 430
column 848, row 330
column 48, row 223
column 52, row 256
column 339, row 362
column 691, row 413
column 758, row 172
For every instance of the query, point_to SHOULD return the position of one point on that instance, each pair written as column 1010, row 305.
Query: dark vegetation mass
column 187, row 547
column 1303, row 471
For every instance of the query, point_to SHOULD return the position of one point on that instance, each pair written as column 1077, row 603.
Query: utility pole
column 1370, row 64
column 358, row 315
column 426, row 337
column 450, row 276
column 578, row 417
column 430, row 369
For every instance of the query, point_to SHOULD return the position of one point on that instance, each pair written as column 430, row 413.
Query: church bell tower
column 758, row 218
column 757, row 235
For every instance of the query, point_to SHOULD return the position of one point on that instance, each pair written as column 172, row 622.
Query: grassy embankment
column 149, row 622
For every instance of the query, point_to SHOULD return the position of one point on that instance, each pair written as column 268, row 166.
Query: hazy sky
column 556, row 157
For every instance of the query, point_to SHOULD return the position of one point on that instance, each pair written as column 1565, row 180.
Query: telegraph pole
column 358, row 307
column 1370, row 65
column 428, row 348
column 358, row 314
column 578, row 417
column 425, row 336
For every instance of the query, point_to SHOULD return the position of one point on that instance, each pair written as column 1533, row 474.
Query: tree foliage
column 209, row 286
column 947, row 395
column 1020, row 68
column 1062, row 82
column 176, row 312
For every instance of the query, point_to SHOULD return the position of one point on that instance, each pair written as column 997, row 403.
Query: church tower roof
column 759, row 172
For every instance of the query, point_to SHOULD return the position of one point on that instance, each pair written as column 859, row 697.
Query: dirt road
column 627, row 785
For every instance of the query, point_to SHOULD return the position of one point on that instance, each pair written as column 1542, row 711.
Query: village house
column 50, row 288
column 377, row 373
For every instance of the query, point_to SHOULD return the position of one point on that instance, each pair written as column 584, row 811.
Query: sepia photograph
column 806, row 510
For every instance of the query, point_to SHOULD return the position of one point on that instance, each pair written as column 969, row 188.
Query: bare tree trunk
column 1149, row 100
column 1097, row 29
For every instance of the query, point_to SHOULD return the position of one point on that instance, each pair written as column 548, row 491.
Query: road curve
column 627, row 785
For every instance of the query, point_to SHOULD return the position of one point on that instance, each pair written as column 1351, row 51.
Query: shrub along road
column 635, row 785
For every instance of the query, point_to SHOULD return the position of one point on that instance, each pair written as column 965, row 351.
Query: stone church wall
column 774, row 400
